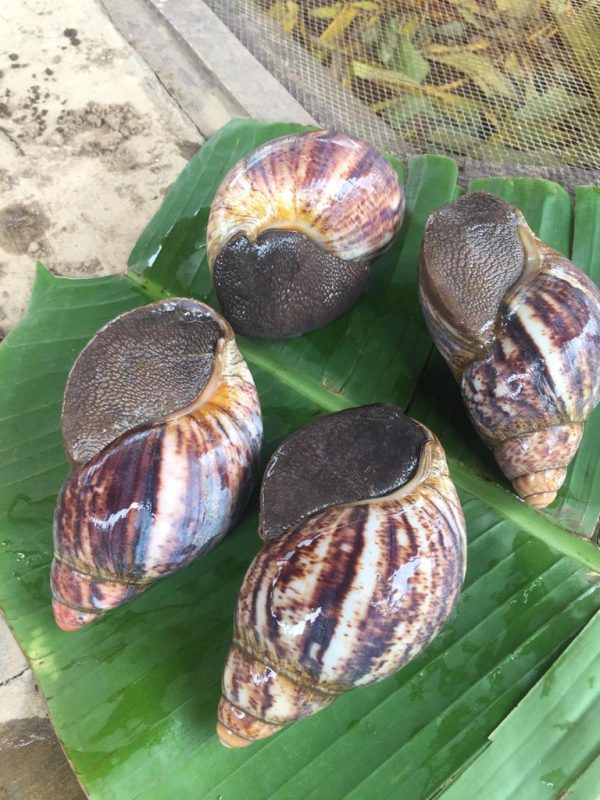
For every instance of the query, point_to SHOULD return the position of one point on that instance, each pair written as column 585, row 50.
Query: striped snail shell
column 519, row 326
column 293, row 228
column 363, row 561
column 162, row 424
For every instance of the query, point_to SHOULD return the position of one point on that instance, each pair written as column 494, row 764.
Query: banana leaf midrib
column 503, row 501
column 134, row 698
column 521, row 600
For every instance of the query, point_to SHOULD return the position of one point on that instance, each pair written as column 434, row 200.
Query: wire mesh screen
column 499, row 80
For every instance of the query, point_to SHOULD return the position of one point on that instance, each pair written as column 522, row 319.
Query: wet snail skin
column 363, row 559
column 293, row 229
column 519, row 326
column 162, row 425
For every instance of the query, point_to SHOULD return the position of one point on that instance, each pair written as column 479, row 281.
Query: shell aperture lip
column 164, row 491
column 138, row 368
column 472, row 255
column 346, row 457
column 519, row 326
column 362, row 563
column 293, row 228
column 284, row 284
column 337, row 187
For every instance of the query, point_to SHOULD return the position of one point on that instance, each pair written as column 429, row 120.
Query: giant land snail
column 363, row 559
column 162, row 424
column 519, row 326
column 293, row 229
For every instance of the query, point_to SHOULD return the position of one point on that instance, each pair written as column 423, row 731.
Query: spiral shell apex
column 162, row 422
column 519, row 326
column 292, row 230
column 363, row 561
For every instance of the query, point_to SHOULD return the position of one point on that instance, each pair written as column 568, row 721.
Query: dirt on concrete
column 89, row 144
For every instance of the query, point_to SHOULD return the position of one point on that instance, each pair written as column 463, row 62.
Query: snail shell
column 162, row 423
column 519, row 326
column 363, row 562
column 292, row 230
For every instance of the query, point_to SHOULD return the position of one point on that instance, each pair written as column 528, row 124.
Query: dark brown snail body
column 162, row 423
column 293, row 229
column 363, row 561
column 519, row 326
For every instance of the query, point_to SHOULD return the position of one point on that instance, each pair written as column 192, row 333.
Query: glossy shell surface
column 337, row 190
column 347, row 595
column 529, row 371
column 163, row 493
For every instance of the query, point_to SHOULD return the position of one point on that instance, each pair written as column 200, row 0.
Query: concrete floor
column 89, row 144
column 32, row 764
column 94, row 128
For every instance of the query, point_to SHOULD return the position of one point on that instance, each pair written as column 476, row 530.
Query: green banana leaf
column 498, row 706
